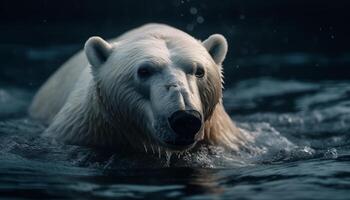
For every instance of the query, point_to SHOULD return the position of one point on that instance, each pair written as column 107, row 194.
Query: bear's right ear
column 97, row 51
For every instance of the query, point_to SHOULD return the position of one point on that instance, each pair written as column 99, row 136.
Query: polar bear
column 154, row 86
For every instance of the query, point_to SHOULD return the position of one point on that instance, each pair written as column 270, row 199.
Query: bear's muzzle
column 185, row 124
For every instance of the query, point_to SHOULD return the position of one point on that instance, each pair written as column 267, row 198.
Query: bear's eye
column 144, row 71
column 199, row 72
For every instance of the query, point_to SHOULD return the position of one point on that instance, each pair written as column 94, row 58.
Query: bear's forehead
column 165, row 50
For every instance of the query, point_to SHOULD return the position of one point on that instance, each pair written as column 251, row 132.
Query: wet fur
column 74, row 102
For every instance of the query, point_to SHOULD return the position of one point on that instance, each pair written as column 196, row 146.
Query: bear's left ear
column 97, row 51
column 216, row 45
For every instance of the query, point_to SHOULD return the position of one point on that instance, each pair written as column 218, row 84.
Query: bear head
column 158, row 88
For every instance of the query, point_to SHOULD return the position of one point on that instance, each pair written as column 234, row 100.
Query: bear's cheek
column 142, row 88
column 210, row 93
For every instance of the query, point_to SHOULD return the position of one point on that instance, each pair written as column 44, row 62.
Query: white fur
column 96, row 99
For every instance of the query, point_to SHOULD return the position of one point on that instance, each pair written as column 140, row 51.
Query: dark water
column 302, row 149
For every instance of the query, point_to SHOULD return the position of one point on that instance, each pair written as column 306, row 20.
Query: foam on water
column 27, row 144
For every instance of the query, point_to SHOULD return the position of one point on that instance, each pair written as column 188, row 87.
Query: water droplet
column 241, row 17
column 193, row 10
column 332, row 36
column 200, row 19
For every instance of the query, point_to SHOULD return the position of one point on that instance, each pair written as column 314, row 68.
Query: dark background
column 288, row 39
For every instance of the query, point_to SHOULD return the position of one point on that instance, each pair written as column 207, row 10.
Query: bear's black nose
column 185, row 123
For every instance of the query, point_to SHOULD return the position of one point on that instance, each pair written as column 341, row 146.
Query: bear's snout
column 186, row 124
